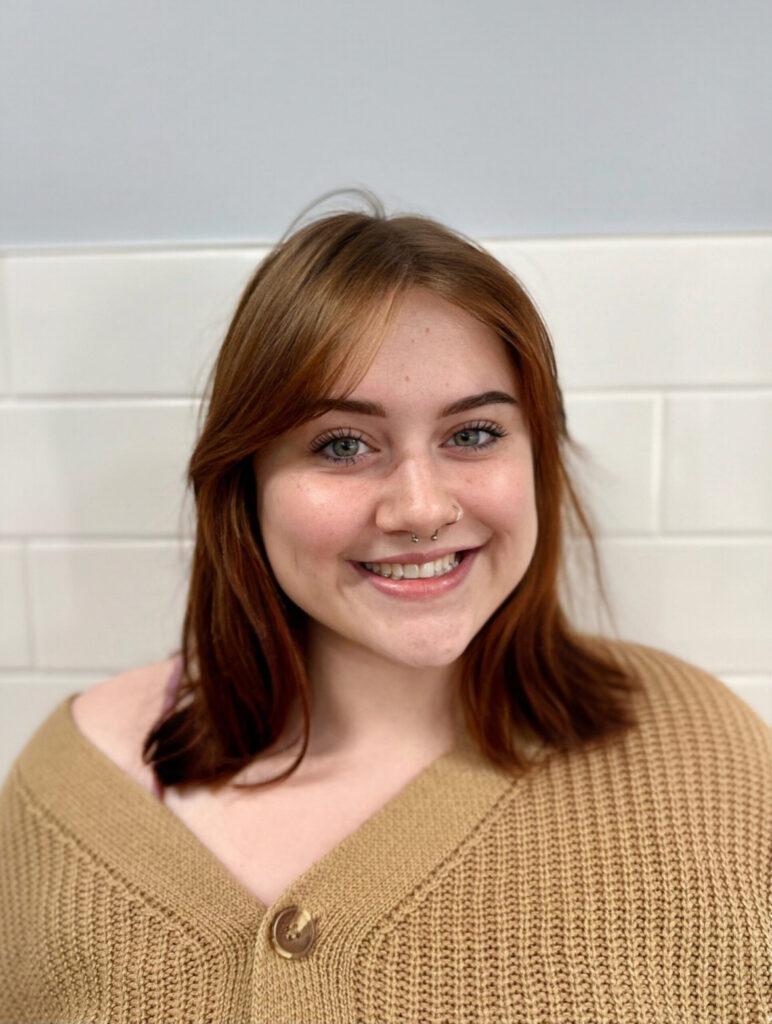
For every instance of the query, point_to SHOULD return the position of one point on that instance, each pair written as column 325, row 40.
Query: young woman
column 384, row 778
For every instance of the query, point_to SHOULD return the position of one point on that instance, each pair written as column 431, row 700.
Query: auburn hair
column 307, row 326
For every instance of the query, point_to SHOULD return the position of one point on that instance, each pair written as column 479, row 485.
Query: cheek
column 300, row 520
column 507, row 497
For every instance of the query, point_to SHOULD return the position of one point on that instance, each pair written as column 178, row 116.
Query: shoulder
column 117, row 714
column 661, row 669
column 689, row 698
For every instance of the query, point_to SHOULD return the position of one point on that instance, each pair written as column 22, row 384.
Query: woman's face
column 411, row 470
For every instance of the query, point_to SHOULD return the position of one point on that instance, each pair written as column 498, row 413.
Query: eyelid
column 336, row 433
column 349, row 431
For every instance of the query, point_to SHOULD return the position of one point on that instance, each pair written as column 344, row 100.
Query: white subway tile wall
column 4, row 378
column 91, row 467
column 655, row 312
column 616, row 467
column 120, row 323
column 15, row 634
column 87, row 599
column 664, row 353
column 717, row 467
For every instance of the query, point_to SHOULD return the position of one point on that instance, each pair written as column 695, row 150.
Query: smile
column 418, row 588
column 412, row 570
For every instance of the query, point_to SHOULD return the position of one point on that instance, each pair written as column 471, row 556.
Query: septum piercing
column 436, row 532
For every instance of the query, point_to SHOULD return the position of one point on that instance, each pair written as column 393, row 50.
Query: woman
column 491, row 816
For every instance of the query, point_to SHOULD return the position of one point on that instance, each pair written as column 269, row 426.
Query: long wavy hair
column 308, row 325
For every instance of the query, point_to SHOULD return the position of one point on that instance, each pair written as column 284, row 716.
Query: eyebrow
column 376, row 409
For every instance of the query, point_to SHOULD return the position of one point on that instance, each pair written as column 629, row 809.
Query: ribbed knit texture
column 627, row 885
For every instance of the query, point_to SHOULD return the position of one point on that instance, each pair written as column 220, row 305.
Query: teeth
column 413, row 571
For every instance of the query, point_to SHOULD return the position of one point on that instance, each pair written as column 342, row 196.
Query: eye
column 348, row 434
column 477, row 428
column 340, row 434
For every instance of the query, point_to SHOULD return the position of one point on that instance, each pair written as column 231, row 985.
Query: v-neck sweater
column 628, row 884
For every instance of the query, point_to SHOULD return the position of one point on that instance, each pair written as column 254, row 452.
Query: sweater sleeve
column 30, row 859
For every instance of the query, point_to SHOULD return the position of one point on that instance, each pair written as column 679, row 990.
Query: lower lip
column 416, row 590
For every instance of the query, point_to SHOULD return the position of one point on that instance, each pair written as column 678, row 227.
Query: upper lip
column 417, row 557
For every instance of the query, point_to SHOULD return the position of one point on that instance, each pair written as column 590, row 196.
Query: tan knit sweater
column 630, row 884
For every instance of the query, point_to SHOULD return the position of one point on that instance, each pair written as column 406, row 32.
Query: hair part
column 307, row 326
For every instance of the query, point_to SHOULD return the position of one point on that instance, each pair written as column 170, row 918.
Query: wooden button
column 293, row 933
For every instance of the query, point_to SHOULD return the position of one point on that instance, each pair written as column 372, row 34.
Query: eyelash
column 349, row 434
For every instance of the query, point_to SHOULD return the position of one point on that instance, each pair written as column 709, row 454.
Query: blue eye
column 351, row 435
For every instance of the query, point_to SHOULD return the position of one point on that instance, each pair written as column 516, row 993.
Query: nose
column 415, row 498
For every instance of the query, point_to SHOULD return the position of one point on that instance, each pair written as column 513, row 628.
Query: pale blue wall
column 189, row 121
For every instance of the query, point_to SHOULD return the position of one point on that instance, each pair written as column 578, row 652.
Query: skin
column 382, row 669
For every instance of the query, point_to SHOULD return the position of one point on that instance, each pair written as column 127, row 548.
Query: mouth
column 418, row 567
column 416, row 587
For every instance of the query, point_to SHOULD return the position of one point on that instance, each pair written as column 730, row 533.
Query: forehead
column 431, row 343
column 422, row 315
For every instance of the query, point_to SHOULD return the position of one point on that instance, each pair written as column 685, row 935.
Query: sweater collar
column 138, row 838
